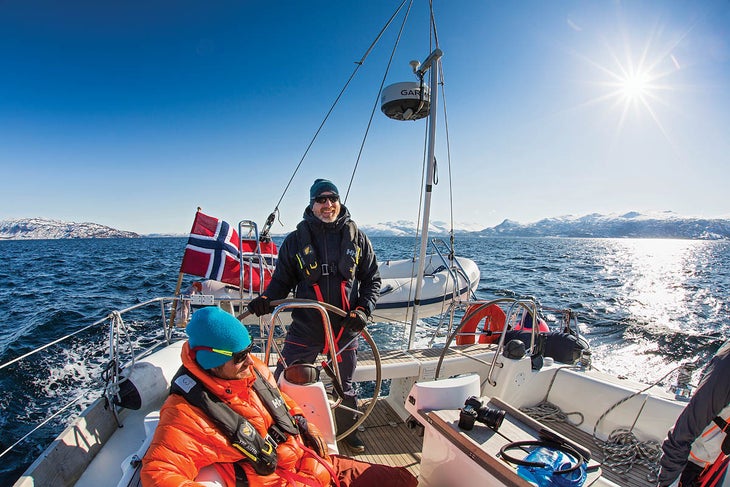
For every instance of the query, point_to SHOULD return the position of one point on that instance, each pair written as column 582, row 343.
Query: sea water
column 644, row 305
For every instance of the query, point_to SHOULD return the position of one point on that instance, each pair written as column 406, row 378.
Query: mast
column 432, row 61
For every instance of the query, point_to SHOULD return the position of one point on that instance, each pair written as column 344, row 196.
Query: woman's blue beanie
column 320, row 186
column 212, row 327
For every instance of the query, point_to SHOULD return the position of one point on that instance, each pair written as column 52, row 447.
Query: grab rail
column 453, row 272
column 515, row 305
column 256, row 257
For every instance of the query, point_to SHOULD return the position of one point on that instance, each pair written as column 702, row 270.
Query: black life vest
column 260, row 452
column 309, row 264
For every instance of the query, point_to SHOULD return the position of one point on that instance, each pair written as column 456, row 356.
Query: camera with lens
column 475, row 410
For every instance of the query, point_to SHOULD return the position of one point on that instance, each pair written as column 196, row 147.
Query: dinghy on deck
column 441, row 284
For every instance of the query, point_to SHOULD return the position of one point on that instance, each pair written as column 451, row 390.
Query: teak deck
column 388, row 440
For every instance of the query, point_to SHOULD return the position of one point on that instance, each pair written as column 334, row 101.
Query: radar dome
column 404, row 101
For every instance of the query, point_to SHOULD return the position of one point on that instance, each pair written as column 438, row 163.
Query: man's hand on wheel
column 355, row 319
column 260, row 306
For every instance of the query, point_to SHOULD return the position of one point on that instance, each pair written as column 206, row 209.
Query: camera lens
column 492, row 417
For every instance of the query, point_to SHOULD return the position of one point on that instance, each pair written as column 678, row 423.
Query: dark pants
column 354, row 473
column 300, row 349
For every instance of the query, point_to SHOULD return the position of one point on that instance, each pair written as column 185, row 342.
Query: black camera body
column 475, row 410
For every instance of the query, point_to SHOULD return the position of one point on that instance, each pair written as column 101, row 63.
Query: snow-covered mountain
column 42, row 228
column 403, row 228
column 628, row 225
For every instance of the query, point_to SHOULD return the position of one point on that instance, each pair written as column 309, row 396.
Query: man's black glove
column 312, row 441
column 355, row 319
column 260, row 306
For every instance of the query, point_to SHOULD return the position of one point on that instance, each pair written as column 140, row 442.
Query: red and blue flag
column 212, row 250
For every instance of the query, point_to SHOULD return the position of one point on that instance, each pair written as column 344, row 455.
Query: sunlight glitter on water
column 656, row 281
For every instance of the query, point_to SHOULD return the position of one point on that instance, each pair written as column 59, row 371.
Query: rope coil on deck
column 623, row 449
column 547, row 411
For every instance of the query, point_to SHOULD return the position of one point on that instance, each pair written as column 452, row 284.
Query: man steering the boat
column 327, row 259
column 696, row 449
column 226, row 423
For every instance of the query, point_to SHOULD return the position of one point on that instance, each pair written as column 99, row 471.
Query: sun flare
column 634, row 81
column 636, row 86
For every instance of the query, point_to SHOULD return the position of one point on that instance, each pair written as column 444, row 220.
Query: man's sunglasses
column 332, row 197
column 238, row 357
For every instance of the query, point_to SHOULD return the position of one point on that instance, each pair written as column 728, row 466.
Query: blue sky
column 132, row 114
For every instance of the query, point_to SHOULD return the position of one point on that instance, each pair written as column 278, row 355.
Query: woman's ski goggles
column 237, row 357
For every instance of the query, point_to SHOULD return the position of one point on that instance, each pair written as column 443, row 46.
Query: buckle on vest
column 325, row 269
column 275, row 436
column 271, row 441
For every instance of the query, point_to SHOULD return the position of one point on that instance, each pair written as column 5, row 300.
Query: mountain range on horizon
column 627, row 225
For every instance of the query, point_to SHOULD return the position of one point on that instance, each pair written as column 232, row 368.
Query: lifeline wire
column 380, row 90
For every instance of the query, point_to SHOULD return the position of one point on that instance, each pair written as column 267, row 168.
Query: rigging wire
column 377, row 98
column 358, row 64
column 442, row 83
column 448, row 153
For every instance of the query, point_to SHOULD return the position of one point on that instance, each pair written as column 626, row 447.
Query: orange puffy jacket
column 186, row 440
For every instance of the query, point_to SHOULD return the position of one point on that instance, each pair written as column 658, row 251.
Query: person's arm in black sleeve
column 712, row 395
column 368, row 276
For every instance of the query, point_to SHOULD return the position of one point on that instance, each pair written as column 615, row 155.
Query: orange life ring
column 494, row 320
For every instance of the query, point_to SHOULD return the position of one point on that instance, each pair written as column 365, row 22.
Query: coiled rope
column 621, row 450
column 549, row 412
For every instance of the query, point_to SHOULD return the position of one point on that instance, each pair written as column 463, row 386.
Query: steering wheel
column 368, row 338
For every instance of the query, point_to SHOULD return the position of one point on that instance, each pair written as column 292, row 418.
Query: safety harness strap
column 714, row 473
column 284, row 425
column 325, row 463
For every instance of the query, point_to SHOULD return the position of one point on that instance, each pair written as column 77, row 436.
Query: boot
column 345, row 419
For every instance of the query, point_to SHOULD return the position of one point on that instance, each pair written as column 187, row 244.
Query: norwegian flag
column 212, row 250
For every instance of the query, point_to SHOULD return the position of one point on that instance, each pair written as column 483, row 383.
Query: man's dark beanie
column 321, row 186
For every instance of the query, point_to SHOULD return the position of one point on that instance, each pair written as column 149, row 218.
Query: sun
column 634, row 80
column 636, row 86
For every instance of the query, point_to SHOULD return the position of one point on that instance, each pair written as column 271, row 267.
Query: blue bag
column 552, row 462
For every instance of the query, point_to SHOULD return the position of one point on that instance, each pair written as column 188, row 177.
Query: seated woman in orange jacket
column 225, row 413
